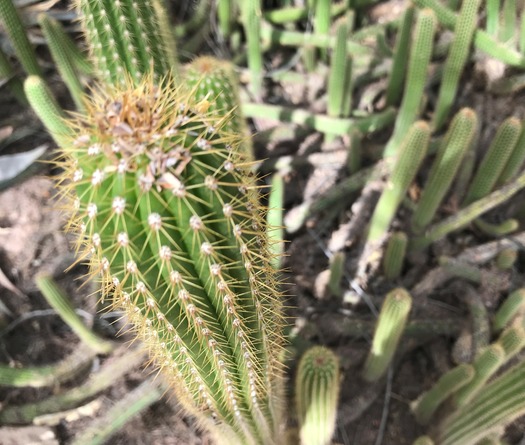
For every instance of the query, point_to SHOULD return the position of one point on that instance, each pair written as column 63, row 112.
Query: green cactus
column 492, row 21
column 506, row 259
column 451, row 152
column 427, row 404
column 340, row 80
column 394, row 256
column 495, row 160
column 515, row 161
column 168, row 214
column 512, row 340
column 251, row 21
column 124, row 40
column 316, row 392
column 389, row 329
column 8, row 74
column 514, row 305
column 423, row 440
column 456, row 60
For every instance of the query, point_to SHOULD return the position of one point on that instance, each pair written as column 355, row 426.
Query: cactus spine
column 169, row 218
column 316, row 392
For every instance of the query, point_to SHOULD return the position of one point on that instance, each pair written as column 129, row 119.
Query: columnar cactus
column 168, row 216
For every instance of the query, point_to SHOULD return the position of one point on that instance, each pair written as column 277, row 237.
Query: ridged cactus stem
column 513, row 306
column 508, row 22
column 500, row 402
column 495, row 160
column 457, row 58
column 409, row 158
column 168, row 214
column 423, row 440
column 394, row 257
column 451, row 152
column 492, row 21
column 251, row 19
column 18, row 37
column 389, row 329
column 420, row 53
column 123, row 37
column 512, row 340
column 427, row 404
column 515, row 161
column 339, row 82
column 316, row 392
column 322, row 21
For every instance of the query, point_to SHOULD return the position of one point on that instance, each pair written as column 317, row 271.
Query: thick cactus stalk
column 123, row 37
column 317, row 392
column 513, row 306
column 168, row 216
column 394, row 257
column 389, row 329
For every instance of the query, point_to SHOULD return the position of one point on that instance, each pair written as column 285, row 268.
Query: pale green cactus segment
column 45, row 106
column 427, row 404
column 500, row 402
column 506, row 259
column 389, row 329
column 423, row 440
column 420, row 53
column 215, row 80
column 337, row 271
column 459, row 50
column 485, row 366
column 492, row 21
column 513, row 306
column 450, row 154
column 408, row 160
column 274, row 219
column 251, row 17
column 515, row 161
column 123, row 38
column 60, row 52
column 512, row 340
column 339, row 82
column 399, row 62
column 509, row 15
column 226, row 16
column 495, row 160
column 322, row 21
column 499, row 229
column 18, row 37
column 168, row 214
column 316, row 393
column 395, row 255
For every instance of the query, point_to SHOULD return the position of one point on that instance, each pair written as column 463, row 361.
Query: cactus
column 389, row 329
column 423, row 440
column 168, row 215
column 506, row 259
column 514, row 305
column 394, row 256
column 251, row 21
column 340, row 79
column 316, row 392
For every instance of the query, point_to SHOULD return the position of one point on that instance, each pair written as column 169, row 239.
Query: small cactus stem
column 389, row 329
column 450, row 154
column 498, row 230
column 251, row 21
column 506, row 259
column 395, row 255
column 404, row 170
column 485, row 365
column 123, row 39
column 316, row 394
column 226, row 16
column 355, row 152
column 521, row 38
column 515, row 161
column 18, row 38
column 495, row 160
column 497, row 405
column 274, row 220
column 45, row 106
column 62, row 60
column 513, row 306
column 508, row 22
column 482, row 41
column 167, row 37
column 420, row 53
column 428, row 403
column 322, row 22
column 7, row 73
column 466, row 215
column 512, row 340
column 394, row 89
column 169, row 214
column 423, row 440
column 339, row 82
column 337, row 269
column 215, row 81
column 492, row 20
column 456, row 60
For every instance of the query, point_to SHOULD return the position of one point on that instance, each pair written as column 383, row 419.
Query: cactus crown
column 169, row 217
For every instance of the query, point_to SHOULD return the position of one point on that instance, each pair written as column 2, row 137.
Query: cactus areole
column 169, row 219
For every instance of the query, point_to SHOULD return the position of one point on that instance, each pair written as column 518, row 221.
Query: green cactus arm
column 251, row 21
column 355, row 152
column 508, row 28
column 451, row 152
column 423, row 440
column 512, row 340
column 521, row 38
column 515, row 161
column 492, row 21
column 395, row 255
column 167, row 36
column 389, row 329
column 409, row 158
column 483, row 41
column 18, row 37
column 340, row 78
column 7, row 73
column 226, row 16
column 420, row 53
column 456, row 60
column 59, row 301
column 321, row 21
column 427, row 404
column 513, row 306
column 317, row 385
column 64, row 64
column 466, row 215
column 506, row 259
column 45, row 106
column 499, row 230
column 399, row 63
column 500, row 402
column 274, row 219
column 337, row 270
column 485, row 365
